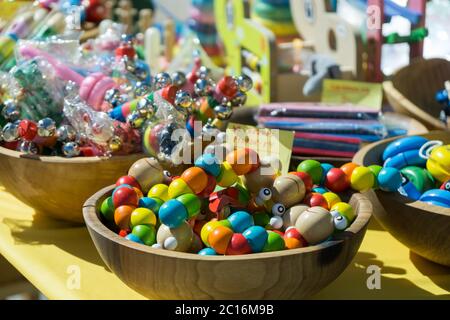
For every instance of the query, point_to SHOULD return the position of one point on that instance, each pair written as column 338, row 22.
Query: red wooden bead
column 228, row 87
column 128, row 180
column 125, row 196
column 316, row 200
column 209, row 187
column 337, row 181
column 293, row 234
column 123, row 233
column 238, row 245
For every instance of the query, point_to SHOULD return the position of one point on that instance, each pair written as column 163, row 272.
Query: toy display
column 240, row 216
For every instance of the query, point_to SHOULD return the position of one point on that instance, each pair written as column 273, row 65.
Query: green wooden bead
column 275, row 242
column 107, row 209
column 146, row 233
column 192, row 204
column 261, row 219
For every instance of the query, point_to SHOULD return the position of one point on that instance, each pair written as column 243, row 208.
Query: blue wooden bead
column 437, row 197
column 133, row 238
column 320, row 190
column 207, row 252
column 256, row 237
column 240, row 221
column 151, row 203
column 325, row 168
column 172, row 213
column 402, row 145
column 209, row 163
column 389, row 179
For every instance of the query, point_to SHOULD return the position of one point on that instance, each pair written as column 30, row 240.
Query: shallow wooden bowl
column 412, row 90
column 59, row 186
column 162, row 274
column 423, row 228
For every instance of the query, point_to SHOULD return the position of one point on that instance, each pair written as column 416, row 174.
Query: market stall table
column 61, row 261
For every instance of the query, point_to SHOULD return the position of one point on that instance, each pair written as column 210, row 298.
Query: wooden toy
column 122, row 216
column 175, row 239
column 426, row 232
column 315, row 225
column 288, row 190
column 125, row 195
column 147, row 172
column 313, row 168
column 145, row 233
column 142, row 216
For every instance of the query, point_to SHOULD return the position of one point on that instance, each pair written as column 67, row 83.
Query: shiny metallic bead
column 10, row 132
column 141, row 89
column 10, row 111
column 162, row 80
column 244, row 82
column 135, row 120
column 28, row 147
column 112, row 96
column 71, row 149
column 239, row 100
column 204, row 72
column 115, row 144
column 223, row 112
column 46, row 127
column 203, row 87
column 183, row 99
column 66, row 133
column 178, row 78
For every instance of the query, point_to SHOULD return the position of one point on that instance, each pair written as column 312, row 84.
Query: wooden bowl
column 162, row 274
column 59, row 186
column 423, row 228
column 412, row 90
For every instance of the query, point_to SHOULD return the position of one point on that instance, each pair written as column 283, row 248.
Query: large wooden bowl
column 412, row 90
column 162, row 274
column 59, row 186
column 423, row 228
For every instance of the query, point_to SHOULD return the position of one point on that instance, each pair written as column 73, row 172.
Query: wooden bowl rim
column 59, row 159
column 395, row 196
column 92, row 221
column 390, row 90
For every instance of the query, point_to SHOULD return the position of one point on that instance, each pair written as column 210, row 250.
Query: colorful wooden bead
column 362, row 179
column 316, row 200
column 196, row 178
column 129, row 180
column 375, row 169
column 325, row 168
column 125, row 195
column 141, row 216
column 238, row 245
column 313, row 168
column 438, row 163
column 147, row 172
column 288, row 190
column 219, row 239
column 146, row 233
column 192, row 204
column 207, row 252
column 389, row 179
column 243, row 161
column 320, row 190
column 177, row 188
column 207, row 229
column 275, row 242
column 227, row 176
column 240, row 221
column 159, row 191
column 256, row 237
column 175, row 239
column 331, row 198
column 337, row 181
column 293, row 239
column 122, row 216
column 419, row 177
column 315, row 225
column 107, row 209
column 172, row 213
column 348, row 168
column 209, row 163
column 261, row 219
column 437, row 197
column 151, row 203
column 134, row 238
column 345, row 210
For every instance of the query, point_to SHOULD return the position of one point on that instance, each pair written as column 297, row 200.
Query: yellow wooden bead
column 178, row 187
column 159, row 191
column 227, row 176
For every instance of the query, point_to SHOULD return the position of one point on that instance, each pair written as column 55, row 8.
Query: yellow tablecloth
column 46, row 252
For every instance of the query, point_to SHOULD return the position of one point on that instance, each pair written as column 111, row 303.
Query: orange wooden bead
column 348, row 168
column 138, row 192
column 293, row 243
column 243, row 161
column 122, row 216
column 196, row 178
column 219, row 239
